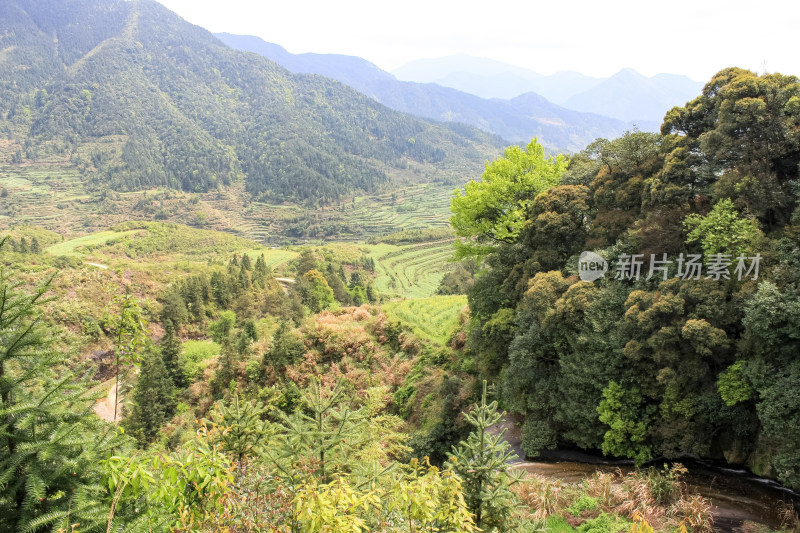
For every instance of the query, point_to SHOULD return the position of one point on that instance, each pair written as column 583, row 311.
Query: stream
column 735, row 494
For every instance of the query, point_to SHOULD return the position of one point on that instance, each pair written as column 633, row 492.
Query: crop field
column 434, row 318
column 411, row 271
column 158, row 245
column 54, row 195
column 43, row 194
column 352, row 219
column 79, row 246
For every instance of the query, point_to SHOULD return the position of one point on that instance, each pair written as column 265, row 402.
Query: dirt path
column 97, row 265
column 104, row 408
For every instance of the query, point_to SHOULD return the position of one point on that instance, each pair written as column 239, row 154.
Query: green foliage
column 171, row 354
column 734, row 141
column 222, row 328
column 316, row 293
column 152, row 402
column 286, row 348
column 245, row 432
column 331, row 431
column 493, row 210
column 49, row 437
column 584, row 503
column 604, row 523
column 722, row 231
column 660, row 365
column 620, row 409
column 126, row 325
column 733, row 386
column 482, row 462
column 459, row 280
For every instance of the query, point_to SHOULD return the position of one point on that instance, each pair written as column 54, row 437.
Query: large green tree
column 740, row 139
column 493, row 210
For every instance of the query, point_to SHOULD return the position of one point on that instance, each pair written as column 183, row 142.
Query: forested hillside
column 136, row 98
column 684, row 338
column 516, row 120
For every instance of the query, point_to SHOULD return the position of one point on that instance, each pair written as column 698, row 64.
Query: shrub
column 584, row 503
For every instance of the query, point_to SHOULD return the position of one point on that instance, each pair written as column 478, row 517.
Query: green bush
column 194, row 353
column 604, row 523
column 584, row 503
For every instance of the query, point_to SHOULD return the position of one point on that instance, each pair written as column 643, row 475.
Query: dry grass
column 657, row 499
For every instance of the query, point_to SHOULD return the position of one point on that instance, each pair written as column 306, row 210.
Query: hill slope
column 556, row 127
column 135, row 97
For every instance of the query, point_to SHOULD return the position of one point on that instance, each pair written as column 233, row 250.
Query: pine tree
column 482, row 463
column 247, row 432
column 171, row 355
column 246, row 263
column 285, row 348
column 356, row 279
column 244, row 277
column 261, row 272
column 219, row 290
column 226, row 368
column 123, row 318
column 152, row 401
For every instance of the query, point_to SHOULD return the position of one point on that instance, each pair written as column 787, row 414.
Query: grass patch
column 411, row 271
column 434, row 318
column 558, row 524
column 196, row 355
column 78, row 246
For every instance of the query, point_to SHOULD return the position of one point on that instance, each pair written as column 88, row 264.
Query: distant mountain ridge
column 627, row 95
column 517, row 120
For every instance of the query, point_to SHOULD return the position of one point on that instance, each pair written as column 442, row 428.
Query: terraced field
column 411, row 271
column 354, row 219
column 161, row 245
column 42, row 194
column 54, row 195
column 434, row 318
column 76, row 247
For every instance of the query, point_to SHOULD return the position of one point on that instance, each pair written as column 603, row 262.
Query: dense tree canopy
column 681, row 347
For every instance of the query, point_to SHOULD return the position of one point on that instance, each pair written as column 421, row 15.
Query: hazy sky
column 692, row 37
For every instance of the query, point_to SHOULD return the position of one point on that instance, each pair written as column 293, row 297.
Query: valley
column 245, row 292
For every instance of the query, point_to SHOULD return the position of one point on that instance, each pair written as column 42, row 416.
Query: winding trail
column 104, row 408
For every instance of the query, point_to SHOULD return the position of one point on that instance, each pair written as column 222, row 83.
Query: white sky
column 692, row 37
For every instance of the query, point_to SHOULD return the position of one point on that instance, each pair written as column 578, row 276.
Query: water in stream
column 736, row 495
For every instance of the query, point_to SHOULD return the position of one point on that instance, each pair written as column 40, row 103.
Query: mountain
column 559, row 87
column 434, row 69
column 627, row 95
column 136, row 98
column 515, row 120
column 346, row 69
column 504, row 85
column 493, row 79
